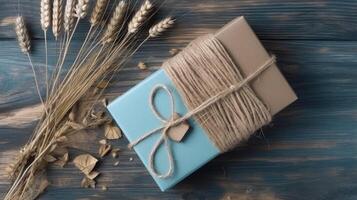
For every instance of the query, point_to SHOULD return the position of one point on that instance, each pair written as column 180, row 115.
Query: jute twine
column 216, row 95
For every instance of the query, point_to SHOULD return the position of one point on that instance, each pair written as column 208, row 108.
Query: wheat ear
column 68, row 15
column 98, row 11
column 22, row 35
column 161, row 27
column 45, row 11
column 115, row 22
column 140, row 17
column 24, row 42
column 81, row 8
column 57, row 15
column 45, row 14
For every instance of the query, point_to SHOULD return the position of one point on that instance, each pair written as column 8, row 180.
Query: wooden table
column 308, row 152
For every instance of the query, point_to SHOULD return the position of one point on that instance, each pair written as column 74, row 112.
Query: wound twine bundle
column 215, row 94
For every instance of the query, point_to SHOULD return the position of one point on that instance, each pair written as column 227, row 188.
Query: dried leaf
column 115, row 152
column 49, row 158
column 98, row 110
column 142, row 66
column 174, row 51
column 86, row 183
column 85, row 163
column 84, row 108
column 62, row 161
column 65, row 157
column 112, row 132
column 103, row 141
column 104, row 150
column 93, row 175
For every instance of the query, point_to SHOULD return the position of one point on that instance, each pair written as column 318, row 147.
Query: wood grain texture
column 273, row 19
column 308, row 152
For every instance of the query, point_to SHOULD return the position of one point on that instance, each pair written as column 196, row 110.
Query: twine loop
column 164, row 138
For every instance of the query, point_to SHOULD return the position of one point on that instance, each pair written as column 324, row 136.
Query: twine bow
column 164, row 138
column 174, row 121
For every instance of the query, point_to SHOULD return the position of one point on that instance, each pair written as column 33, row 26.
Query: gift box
column 134, row 114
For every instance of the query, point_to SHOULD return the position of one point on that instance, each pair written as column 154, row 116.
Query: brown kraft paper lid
column 249, row 54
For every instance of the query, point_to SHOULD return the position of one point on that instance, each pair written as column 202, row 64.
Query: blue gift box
column 133, row 113
column 135, row 117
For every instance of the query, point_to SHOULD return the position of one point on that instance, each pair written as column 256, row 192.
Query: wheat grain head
column 45, row 14
column 140, row 16
column 57, row 16
column 22, row 35
column 115, row 22
column 68, row 15
column 161, row 27
column 81, row 8
column 98, row 11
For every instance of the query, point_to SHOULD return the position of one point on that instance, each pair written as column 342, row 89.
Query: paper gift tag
column 176, row 133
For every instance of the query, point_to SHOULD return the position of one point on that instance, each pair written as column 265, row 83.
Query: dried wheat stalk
column 71, row 10
column 45, row 14
column 98, row 12
column 22, row 35
column 140, row 17
column 96, row 16
column 115, row 22
column 160, row 27
column 81, row 8
column 57, row 17
column 23, row 39
column 97, row 63
column 69, row 15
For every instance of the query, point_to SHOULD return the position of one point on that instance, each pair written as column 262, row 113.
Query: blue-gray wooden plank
column 272, row 19
column 310, row 148
column 309, row 151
